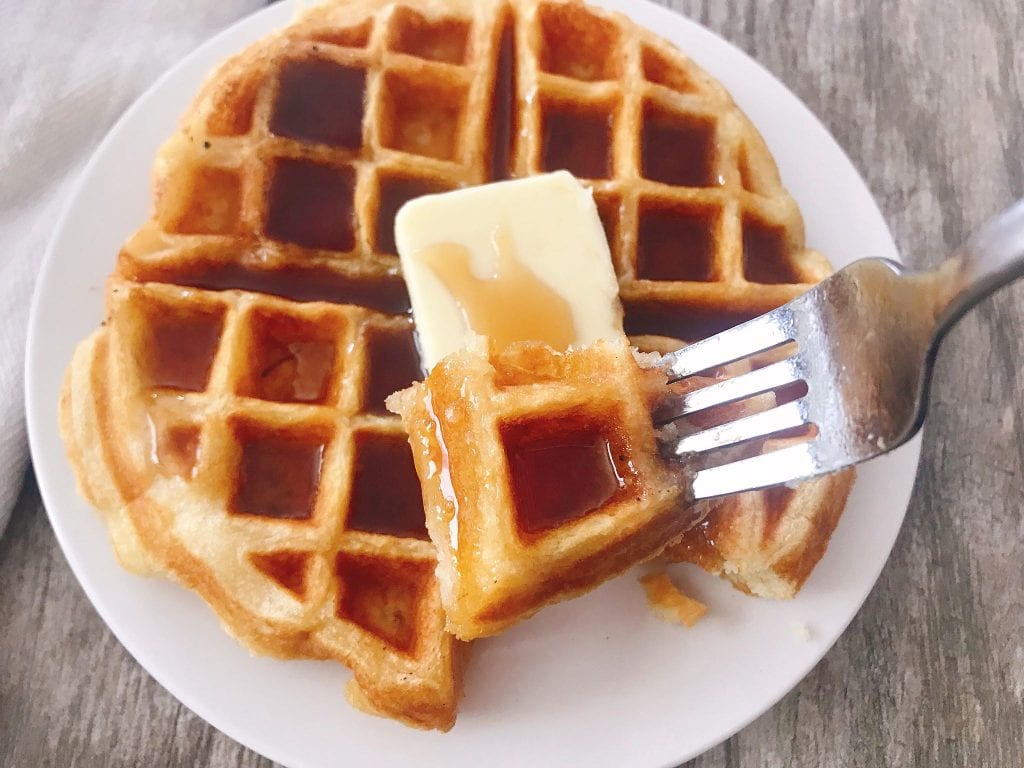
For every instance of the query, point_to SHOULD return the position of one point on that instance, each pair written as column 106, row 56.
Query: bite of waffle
column 541, row 475
column 227, row 420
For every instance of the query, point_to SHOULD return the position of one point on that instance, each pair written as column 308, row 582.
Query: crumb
column 670, row 431
column 669, row 603
column 648, row 359
column 397, row 402
column 802, row 631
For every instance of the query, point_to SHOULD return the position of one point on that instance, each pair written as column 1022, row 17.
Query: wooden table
column 926, row 98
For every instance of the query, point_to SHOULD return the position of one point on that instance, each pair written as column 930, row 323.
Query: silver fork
column 865, row 345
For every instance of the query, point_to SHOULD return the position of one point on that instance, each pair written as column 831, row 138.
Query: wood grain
column 926, row 99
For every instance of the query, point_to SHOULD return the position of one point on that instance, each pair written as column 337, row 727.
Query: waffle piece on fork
column 541, row 475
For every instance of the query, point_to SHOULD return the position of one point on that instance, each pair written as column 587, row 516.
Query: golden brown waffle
column 540, row 475
column 283, row 180
column 669, row 603
column 231, row 442
column 275, row 184
column 766, row 543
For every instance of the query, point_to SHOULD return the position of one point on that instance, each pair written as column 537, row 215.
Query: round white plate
column 597, row 681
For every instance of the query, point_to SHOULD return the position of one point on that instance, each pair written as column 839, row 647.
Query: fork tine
column 761, row 424
column 796, row 462
column 741, row 387
column 744, row 340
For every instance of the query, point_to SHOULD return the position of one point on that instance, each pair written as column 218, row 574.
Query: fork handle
column 992, row 258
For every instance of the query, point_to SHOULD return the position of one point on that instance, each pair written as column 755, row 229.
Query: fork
column 865, row 345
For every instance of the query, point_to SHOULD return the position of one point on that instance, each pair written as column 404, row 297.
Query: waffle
column 221, row 434
column 540, row 475
column 669, row 603
column 269, row 260
column 766, row 543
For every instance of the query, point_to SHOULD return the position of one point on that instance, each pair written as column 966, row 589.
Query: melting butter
column 515, row 260
column 511, row 304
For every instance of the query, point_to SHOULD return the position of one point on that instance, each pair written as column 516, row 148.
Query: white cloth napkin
column 68, row 69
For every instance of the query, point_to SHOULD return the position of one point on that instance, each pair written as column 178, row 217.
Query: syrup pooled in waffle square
column 227, row 419
column 541, row 475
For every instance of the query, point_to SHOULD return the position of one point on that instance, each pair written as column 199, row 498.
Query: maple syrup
column 386, row 495
column 320, row 101
column 502, row 114
column 578, row 141
column 443, row 470
column 564, row 468
column 312, row 205
column 394, row 193
column 289, row 363
column 609, row 209
column 180, row 345
column 278, row 475
column 776, row 500
column 384, row 294
column 383, row 596
column 510, row 305
column 173, row 448
column 790, row 393
column 678, row 320
column 676, row 244
column 393, row 363
column 765, row 253
column 677, row 149
column 286, row 568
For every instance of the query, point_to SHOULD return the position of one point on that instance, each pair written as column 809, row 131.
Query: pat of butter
column 515, row 260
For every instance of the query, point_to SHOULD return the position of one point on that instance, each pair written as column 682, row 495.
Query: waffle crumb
column 801, row 631
column 648, row 359
column 670, row 603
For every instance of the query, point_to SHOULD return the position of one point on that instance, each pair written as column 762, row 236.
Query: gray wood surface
column 926, row 97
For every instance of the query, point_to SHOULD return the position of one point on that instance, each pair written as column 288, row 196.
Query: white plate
column 598, row 681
